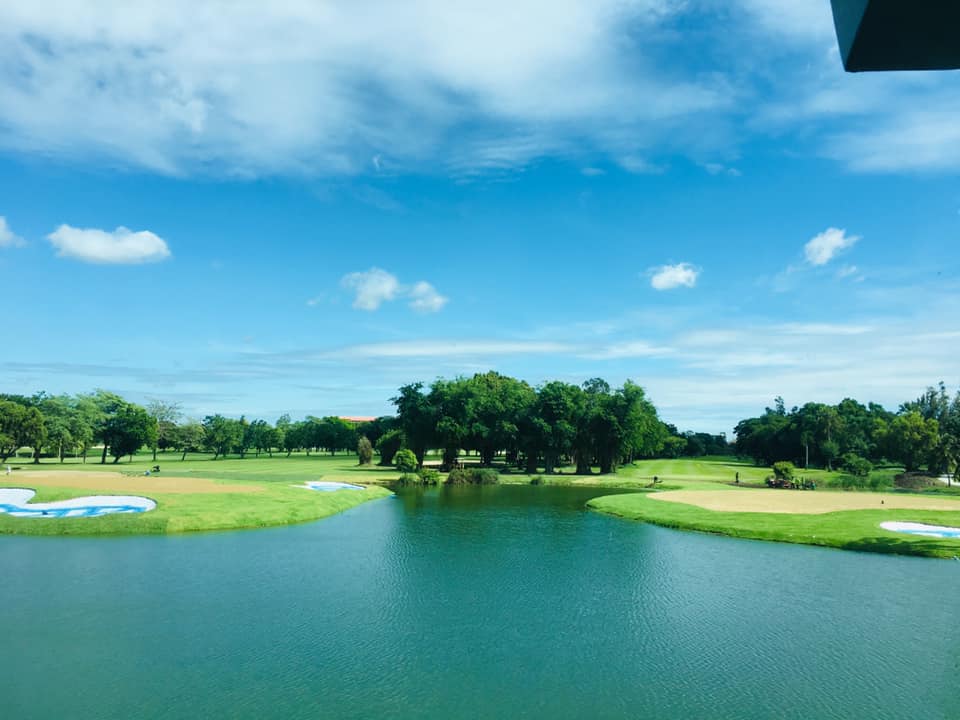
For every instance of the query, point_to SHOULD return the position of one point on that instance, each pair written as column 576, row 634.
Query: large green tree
column 127, row 429
column 21, row 425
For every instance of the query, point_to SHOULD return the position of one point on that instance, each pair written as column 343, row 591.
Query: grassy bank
column 849, row 529
column 191, row 496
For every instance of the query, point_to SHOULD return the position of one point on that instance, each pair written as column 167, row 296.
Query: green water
column 499, row 602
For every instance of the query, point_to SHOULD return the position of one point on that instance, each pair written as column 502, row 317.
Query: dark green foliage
column 472, row 476
column 221, row 434
column 405, row 461
column 127, row 429
column 784, row 470
column 20, row 426
column 857, row 466
column 388, row 445
column 429, row 476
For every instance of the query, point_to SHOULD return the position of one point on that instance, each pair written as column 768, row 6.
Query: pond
column 479, row 602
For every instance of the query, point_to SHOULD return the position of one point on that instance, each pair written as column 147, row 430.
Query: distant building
column 357, row 420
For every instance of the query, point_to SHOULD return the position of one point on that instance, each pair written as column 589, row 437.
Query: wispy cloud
column 309, row 88
column 117, row 247
column 669, row 277
column 451, row 348
column 7, row 237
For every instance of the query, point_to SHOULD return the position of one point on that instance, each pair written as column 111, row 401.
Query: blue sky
column 299, row 208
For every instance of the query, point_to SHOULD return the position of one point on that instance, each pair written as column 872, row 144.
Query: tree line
column 61, row 425
column 554, row 424
column 923, row 434
column 495, row 416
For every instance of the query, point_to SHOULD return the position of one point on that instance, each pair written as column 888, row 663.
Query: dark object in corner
column 898, row 35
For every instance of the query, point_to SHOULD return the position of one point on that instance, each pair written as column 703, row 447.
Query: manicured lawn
column 850, row 529
column 195, row 495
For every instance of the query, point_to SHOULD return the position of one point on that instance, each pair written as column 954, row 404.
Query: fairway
column 117, row 482
column 805, row 503
column 196, row 495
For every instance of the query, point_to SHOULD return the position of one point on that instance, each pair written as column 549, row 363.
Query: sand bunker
column 116, row 482
column 937, row 531
column 326, row 486
column 807, row 503
column 14, row 502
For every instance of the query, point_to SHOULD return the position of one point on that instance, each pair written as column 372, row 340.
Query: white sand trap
column 14, row 502
column 937, row 531
column 326, row 486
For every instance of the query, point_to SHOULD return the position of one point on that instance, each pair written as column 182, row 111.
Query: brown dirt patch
column 115, row 482
column 802, row 502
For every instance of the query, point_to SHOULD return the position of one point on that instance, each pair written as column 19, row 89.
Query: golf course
column 193, row 496
column 715, row 494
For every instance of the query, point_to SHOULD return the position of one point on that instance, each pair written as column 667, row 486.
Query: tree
column 364, row 450
column 20, row 426
column 261, row 437
column 165, row 415
column 910, row 439
column 416, row 418
column 128, row 429
column 495, row 404
column 107, row 405
column 221, row 434
column 388, row 444
column 187, row 438
column 59, row 421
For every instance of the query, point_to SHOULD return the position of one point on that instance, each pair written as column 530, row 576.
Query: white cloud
column 7, row 236
column 668, row 277
column 425, row 298
column 375, row 286
column 119, row 247
column 822, row 248
column 371, row 288
column 341, row 87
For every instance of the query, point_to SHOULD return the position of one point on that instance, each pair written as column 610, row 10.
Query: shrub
column 364, row 450
column 536, row 480
column 857, row 466
column 428, row 476
column 409, row 479
column 784, row 470
column 405, row 461
column 474, row 476
column 457, row 477
column 915, row 481
column 484, row 476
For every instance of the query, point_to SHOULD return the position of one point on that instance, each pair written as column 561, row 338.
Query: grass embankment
column 700, row 498
column 196, row 495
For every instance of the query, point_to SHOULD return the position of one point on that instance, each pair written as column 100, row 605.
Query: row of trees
column 923, row 434
column 64, row 425
column 548, row 426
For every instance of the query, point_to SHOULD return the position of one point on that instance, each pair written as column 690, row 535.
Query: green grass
column 275, row 503
column 850, row 529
